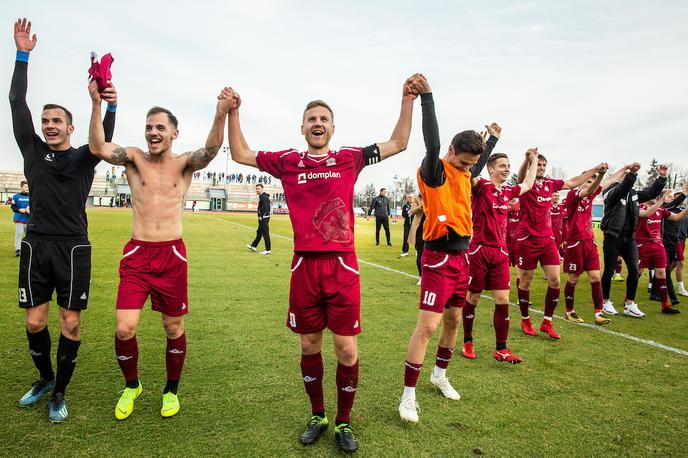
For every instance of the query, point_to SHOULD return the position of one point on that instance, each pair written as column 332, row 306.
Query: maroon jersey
column 320, row 195
column 512, row 224
column 490, row 206
column 579, row 215
column 535, row 208
column 650, row 228
column 556, row 214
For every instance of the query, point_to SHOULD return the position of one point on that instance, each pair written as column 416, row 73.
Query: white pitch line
column 651, row 343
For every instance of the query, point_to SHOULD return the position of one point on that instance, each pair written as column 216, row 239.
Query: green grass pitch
column 589, row 394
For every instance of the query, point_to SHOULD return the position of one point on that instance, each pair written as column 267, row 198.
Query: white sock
column 598, row 313
column 409, row 391
column 525, row 317
column 548, row 318
column 438, row 372
column 649, row 285
column 680, row 285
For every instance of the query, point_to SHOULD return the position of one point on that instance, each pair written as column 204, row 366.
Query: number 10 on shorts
column 429, row 298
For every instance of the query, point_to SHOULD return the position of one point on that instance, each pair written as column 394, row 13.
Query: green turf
column 590, row 394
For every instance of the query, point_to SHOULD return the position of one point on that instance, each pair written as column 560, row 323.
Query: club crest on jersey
column 331, row 221
column 546, row 188
column 330, row 162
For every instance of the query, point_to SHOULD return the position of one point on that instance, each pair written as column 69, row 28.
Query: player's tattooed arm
column 402, row 131
column 238, row 147
column 529, row 180
column 109, row 152
column 199, row 159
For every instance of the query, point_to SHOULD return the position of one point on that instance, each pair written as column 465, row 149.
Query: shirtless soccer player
column 325, row 287
column 56, row 253
column 537, row 244
column 488, row 256
column 581, row 254
column 445, row 185
column 154, row 260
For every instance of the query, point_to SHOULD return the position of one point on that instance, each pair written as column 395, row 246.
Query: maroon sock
column 411, row 373
column 347, row 383
column 174, row 357
column 551, row 300
column 569, row 291
column 127, row 353
column 444, row 355
column 661, row 284
column 617, row 268
column 597, row 299
column 313, row 370
column 468, row 314
column 501, row 324
column 523, row 302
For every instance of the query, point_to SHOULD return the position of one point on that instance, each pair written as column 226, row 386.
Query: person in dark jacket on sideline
column 380, row 205
column 406, row 213
column 263, row 231
column 619, row 223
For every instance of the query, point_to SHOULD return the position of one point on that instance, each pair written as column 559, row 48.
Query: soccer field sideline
column 648, row 342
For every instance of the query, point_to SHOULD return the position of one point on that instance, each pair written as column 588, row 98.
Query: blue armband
column 112, row 108
column 23, row 56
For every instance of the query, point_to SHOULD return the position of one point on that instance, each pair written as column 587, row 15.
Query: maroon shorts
column 680, row 249
column 158, row 269
column 532, row 249
column 444, row 279
column 325, row 292
column 512, row 248
column 652, row 255
column 581, row 256
column 489, row 269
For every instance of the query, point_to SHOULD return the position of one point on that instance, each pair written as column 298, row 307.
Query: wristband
column 112, row 108
column 23, row 56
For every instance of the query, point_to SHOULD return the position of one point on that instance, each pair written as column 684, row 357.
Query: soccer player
column 682, row 233
column 263, row 231
column 513, row 220
column 557, row 214
column 537, row 244
column 619, row 223
column 56, row 253
column 489, row 260
column 154, row 260
column 445, row 185
column 21, row 209
column 581, row 253
column 651, row 251
column 325, row 285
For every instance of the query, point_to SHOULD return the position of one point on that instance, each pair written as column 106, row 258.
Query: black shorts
column 63, row 266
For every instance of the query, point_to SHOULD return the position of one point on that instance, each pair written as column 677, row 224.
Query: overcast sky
column 585, row 81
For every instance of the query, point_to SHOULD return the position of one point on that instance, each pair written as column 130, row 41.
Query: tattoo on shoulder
column 201, row 157
column 119, row 156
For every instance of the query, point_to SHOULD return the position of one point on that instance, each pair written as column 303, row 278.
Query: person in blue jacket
column 21, row 209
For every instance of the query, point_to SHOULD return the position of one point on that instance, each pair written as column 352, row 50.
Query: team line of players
column 465, row 233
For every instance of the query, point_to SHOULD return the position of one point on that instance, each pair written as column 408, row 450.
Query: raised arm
column 595, row 184
column 199, row 159
column 523, row 169
column 582, row 178
column 109, row 152
column 431, row 169
column 614, row 194
column 238, row 147
column 651, row 209
column 529, row 180
column 494, row 131
column 24, row 132
column 655, row 188
column 400, row 136
column 678, row 216
column 618, row 175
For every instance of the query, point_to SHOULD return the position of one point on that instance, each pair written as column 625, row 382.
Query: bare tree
column 557, row 172
column 368, row 194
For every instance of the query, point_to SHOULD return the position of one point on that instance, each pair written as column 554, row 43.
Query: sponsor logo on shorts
column 83, row 296
column 356, row 325
column 123, row 357
column 176, row 351
column 34, row 353
column 183, row 306
column 349, row 389
column 309, row 379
